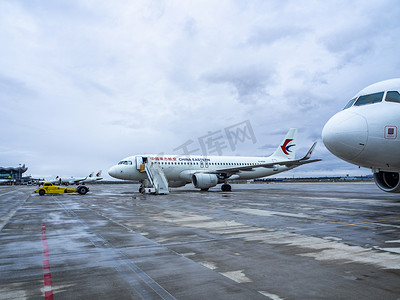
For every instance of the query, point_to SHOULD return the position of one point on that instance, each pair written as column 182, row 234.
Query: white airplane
column 70, row 180
column 365, row 132
column 78, row 180
column 56, row 180
column 93, row 178
column 158, row 172
column 7, row 180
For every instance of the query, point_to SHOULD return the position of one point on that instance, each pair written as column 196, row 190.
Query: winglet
column 308, row 155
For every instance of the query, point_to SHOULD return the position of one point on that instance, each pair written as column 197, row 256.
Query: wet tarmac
column 261, row 241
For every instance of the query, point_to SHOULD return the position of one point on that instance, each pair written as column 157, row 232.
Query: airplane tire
column 204, row 190
column 226, row 188
column 42, row 192
column 82, row 190
column 141, row 190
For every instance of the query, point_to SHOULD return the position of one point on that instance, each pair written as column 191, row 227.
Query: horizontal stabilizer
column 288, row 163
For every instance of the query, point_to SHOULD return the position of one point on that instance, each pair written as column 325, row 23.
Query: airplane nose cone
column 113, row 171
column 345, row 135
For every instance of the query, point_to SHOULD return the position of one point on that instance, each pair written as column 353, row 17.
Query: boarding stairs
column 156, row 177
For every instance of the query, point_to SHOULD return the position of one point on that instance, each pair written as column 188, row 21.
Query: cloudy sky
column 84, row 84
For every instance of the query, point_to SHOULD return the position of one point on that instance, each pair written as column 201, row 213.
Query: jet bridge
column 158, row 183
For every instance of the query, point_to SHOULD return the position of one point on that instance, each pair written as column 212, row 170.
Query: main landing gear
column 226, row 187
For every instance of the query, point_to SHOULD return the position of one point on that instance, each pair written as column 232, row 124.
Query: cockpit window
column 369, row 99
column 350, row 103
column 393, row 97
column 125, row 162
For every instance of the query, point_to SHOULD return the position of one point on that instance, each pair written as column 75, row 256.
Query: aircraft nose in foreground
column 345, row 134
column 113, row 171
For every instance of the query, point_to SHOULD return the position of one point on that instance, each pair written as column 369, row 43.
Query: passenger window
column 351, row 102
column 393, row 97
column 369, row 99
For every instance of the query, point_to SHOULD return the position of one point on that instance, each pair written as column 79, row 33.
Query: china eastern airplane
column 92, row 177
column 366, row 132
column 208, row 171
column 78, row 180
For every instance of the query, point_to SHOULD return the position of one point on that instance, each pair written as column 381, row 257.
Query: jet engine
column 388, row 181
column 204, row 181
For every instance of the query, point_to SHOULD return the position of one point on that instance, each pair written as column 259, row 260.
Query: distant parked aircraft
column 93, row 178
column 77, row 180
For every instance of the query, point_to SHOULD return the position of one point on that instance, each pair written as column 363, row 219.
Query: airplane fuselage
column 159, row 172
column 366, row 133
column 181, row 168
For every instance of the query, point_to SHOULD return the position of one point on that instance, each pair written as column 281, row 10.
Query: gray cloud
column 267, row 36
column 250, row 83
column 12, row 89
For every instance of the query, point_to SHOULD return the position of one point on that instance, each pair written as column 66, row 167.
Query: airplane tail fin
column 287, row 149
column 99, row 173
column 91, row 175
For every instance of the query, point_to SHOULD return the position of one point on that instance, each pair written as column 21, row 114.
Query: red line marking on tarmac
column 46, row 252
column 46, row 264
column 47, row 279
column 48, row 293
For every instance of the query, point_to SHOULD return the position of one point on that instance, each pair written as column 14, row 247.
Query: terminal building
column 10, row 175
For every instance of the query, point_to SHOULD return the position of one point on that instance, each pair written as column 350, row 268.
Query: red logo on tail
column 285, row 148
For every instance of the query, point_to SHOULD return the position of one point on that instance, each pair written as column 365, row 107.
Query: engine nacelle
column 388, row 181
column 176, row 183
column 204, row 181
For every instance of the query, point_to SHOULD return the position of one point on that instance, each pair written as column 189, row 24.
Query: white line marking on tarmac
column 395, row 241
column 333, row 250
column 7, row 193
column 393, row 250
column 208, row 264
column 269, row 295
column 270, row 213
column 237, row 276
column 4, row 219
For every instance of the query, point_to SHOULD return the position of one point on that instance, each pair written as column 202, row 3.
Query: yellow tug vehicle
column 49, row 188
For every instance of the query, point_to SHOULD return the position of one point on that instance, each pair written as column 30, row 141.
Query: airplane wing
column 288, row 163
column 78, row 180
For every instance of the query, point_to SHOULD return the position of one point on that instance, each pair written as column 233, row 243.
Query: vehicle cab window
column 369, row 99
column 393, row 96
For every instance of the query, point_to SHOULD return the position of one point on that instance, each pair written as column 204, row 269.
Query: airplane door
column 201, row 164
column 139, row 162
column 206, row 164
